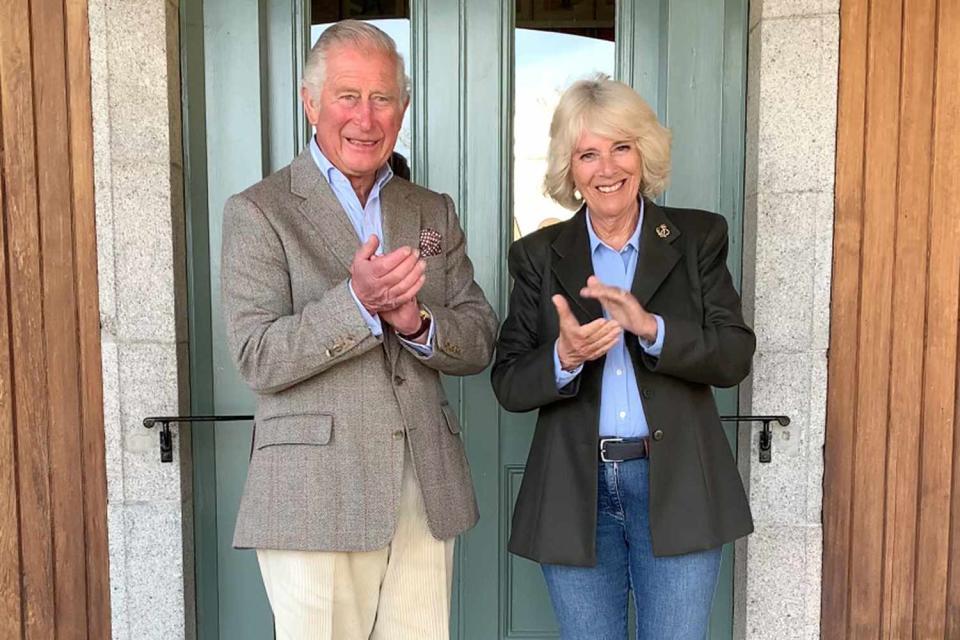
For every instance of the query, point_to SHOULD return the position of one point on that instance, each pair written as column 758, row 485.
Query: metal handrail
column 166, row 438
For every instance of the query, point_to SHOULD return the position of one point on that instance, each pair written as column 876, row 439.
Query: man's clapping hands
column 387, row 285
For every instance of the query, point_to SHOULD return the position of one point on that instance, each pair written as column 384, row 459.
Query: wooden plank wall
column 892, row 484
column 54, row 580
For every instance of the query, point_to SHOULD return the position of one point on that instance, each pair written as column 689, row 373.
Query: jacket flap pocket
column 308, row 428
column 450, row 416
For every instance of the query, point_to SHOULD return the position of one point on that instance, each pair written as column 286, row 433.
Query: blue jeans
column 672, row 594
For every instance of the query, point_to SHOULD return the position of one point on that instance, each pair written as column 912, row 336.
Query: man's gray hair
column 352, row 33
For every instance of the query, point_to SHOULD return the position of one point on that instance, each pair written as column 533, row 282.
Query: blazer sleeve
column 273, row 347
column 466, row 325
column 717, row 351
column 523, row 373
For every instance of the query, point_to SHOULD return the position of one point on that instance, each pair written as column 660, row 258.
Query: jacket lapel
column 401, row 227
column 573, row 265
column 322, row 209
column 658, row 256
column 401, row 217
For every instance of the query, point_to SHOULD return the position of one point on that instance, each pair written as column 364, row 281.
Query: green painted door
column 480, row 98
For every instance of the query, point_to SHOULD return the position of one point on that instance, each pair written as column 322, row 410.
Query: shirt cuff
column 654, row 348
column 563, row 377
column 373, row 322
column 425, row 350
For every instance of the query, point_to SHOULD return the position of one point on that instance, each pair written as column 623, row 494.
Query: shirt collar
column 634, row 240
column 329, row 171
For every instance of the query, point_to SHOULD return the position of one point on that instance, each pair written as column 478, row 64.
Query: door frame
column 478, row 176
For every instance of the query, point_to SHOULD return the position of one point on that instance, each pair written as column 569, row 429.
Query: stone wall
column 137, row 171
column 788, row 238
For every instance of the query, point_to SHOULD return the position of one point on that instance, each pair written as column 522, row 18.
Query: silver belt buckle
column 603, row 453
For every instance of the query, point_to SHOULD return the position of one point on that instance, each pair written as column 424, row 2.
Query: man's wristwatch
column 424, row 326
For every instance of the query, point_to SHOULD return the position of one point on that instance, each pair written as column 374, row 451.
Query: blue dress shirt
column 621, row 412
column 366, row 220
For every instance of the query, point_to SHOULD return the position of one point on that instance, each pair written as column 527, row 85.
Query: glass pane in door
column 548, row 60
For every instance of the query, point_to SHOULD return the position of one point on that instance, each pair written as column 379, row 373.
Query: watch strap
column 424, row 326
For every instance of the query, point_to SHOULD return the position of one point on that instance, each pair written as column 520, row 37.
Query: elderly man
column 346, row 292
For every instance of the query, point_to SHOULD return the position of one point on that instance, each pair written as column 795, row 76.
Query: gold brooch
column 663, row 231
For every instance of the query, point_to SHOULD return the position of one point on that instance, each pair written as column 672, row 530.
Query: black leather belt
column 620, row 450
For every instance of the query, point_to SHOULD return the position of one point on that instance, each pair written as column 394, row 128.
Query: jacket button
column 647, row 393
column 398, row 434
column 658, row 435
column 398, row 380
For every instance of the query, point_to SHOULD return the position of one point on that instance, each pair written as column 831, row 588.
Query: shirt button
column 623, row 414
column 619, row 372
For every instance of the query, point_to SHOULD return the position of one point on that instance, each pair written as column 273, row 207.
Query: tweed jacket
column 697, row 500
column 337, row 406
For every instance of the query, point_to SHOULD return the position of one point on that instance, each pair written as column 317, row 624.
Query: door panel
column 236, row 157
column 546, row 62
column 241, row 126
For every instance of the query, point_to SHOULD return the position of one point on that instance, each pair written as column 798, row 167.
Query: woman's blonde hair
column 613, row 110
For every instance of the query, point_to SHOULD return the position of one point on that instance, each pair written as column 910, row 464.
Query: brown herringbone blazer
column 336, row 406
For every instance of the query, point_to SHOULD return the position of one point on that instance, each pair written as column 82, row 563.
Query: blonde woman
column 620, row 321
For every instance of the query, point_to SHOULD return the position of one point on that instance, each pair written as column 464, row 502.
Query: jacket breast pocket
column 296, row 429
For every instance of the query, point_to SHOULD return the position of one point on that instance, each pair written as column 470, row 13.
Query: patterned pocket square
column 429, row 242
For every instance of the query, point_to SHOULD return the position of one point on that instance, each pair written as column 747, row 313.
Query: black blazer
column 697, row 499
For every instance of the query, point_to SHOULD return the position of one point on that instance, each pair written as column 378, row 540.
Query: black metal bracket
column 766, row 435
column 166, row 437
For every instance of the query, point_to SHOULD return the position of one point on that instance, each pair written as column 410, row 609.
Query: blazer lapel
column 658, row 256
column 401, row 218
column 322, row 209
column 401, row 227
column 573, row 265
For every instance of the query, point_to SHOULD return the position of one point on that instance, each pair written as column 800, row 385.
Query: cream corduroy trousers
column 401, row 592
